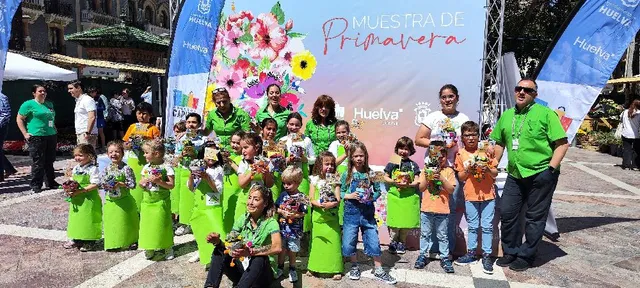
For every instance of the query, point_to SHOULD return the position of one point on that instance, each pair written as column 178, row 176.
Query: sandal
column 337, row 277
column 70, row 244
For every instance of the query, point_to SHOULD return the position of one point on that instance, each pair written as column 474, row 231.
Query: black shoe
column 552, row 236
column 519, row 265
column 506, row 260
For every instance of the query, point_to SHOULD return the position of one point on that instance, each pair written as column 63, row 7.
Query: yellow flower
column 208, row 99
column 304, row 65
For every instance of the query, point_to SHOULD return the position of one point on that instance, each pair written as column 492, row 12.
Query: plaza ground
column 597, row 206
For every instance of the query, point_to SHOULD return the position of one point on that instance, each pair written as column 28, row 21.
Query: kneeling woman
column 259, row 228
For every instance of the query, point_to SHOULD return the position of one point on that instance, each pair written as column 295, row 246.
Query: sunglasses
column 526, row 90
column 220, row 89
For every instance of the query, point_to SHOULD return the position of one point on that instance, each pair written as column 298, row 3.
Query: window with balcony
column 56, row 40
column 148, row 15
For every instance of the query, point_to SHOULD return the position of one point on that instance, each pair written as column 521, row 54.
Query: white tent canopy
column 19, row 67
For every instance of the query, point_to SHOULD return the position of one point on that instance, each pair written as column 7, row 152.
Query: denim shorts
column 291, row 244
column 358, row 216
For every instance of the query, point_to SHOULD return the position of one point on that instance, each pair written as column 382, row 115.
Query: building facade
column 46, row 22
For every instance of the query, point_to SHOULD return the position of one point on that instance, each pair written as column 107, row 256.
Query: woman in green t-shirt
column 250, row 265
column 36, row 121
column 321, row 128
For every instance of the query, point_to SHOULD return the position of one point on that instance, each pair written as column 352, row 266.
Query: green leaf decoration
column 296, row 35
column 264, row 65
column 245, row 27
column 276, row 10
column 246, row 38
column 287, row 81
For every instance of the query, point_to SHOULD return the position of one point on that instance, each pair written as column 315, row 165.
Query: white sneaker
column 194, row 259
column 169, row 254
column 279, row 273
column 293, row 276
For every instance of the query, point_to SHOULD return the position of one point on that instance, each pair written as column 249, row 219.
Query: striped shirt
column 5, row 110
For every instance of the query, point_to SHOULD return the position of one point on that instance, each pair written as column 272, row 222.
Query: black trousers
column 43, row 152
column 630, row 152
column 536, row 192
column 258, row 274
column 5, row 165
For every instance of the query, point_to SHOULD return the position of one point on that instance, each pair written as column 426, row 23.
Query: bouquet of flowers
column 195, row 166
column 348, row 139
column 327, row 194
column 402, row 177
column 188, row 152
column 170, row 145
column 436, row 151
column 448, row 133
column 365, row 192
column 296, row 152
column 294, row 205
column 108, row 183
column 296, row 137
column 153, row 171
column 260, row 164
column 433, row 185
column 376, row 176
column 275, row 153
column 70, row 185
column 235, row 241
column 135, row 145
column 332, row 178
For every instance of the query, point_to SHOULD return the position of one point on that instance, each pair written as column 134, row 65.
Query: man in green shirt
column 536, row 144
column 226, row 119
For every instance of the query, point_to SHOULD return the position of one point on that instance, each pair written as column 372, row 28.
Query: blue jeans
column 456, row 199
column 480, row 214
column 431, row 225
column 358, row 216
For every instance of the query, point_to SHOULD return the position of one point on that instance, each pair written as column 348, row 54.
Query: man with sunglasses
column 536, row 143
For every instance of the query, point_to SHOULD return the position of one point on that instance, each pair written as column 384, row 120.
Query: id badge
column 51, row 123
column 515, row 143
column 212, row 199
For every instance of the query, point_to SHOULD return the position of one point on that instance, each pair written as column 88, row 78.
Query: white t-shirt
column 217, row 175
column 90, row 169
column 306, row 144
column 243, row 168
column 84, row 105
column 435, row 120
column 630, row 126
column 146, row 173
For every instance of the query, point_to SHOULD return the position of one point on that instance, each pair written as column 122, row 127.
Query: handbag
column 618, row 133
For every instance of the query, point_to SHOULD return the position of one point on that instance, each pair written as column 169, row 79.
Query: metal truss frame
column 490, row 104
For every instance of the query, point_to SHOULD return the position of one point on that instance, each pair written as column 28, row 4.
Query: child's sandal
column 70, row 244
column 337, row 277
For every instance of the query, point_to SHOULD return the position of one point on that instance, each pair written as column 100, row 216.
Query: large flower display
column 252, row 53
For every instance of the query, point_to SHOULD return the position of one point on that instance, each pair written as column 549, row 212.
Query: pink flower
column 250, row 106
column 283, row 62
column 289, row 25
column 232, row 81
column 268, row 37
column 290, row 101
column 231, row 44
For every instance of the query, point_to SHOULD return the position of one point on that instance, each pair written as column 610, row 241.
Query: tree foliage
column 530, row 27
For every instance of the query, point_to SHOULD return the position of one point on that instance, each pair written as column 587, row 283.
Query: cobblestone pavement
column 597, row 206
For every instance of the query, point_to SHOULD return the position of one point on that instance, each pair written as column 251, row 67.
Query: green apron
column 326, row 255
column 403, row 207
column 136, row 163
column 341, row 169
column 186, row 196
column 121, row 219
column 276, row 189
column 230, row 195
column 175, row 192
column 85, row 213
column 156, row 224
column 206, row 218
column 243, row 196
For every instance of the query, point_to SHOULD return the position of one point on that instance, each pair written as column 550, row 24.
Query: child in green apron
column 326, row 255
column 338, row 149
column 193, row 136
column 269, row 131
column 85, row 208
column 121, row 219
column 206, row 216
column 178, row 131
column 403, row 200
column 231, row 187
column 248, row 173
column 295, row 138
column 156, row 229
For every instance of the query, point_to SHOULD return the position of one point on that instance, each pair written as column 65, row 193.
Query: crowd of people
column 256, row 192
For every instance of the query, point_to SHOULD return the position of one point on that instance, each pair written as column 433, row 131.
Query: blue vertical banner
column 584, row 56
column 192, row 46
column 7, row 10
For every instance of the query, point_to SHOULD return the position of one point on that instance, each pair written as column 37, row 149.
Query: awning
column 624, row 80
column 72, row 61
column 19, row 67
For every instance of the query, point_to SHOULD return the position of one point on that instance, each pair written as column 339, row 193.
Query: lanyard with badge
column 515, row 136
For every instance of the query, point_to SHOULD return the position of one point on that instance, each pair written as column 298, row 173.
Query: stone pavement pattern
column 597, row 206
